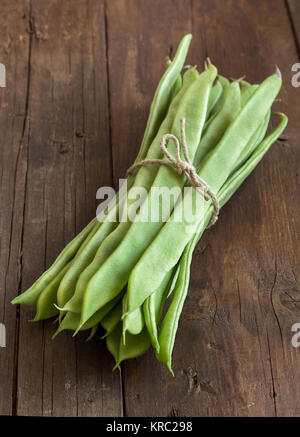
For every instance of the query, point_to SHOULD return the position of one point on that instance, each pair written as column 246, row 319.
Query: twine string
column 183, row 167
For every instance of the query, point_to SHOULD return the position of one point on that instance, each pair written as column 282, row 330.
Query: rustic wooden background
column 80, row 78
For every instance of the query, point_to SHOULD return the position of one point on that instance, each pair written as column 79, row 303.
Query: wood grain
column 139, row 43
column 14, row 46
column 80, row 78
column 233, row 352
column 68, row 159
column 293, row 7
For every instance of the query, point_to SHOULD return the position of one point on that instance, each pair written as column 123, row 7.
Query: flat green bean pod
column 114, row 273
column 71, row 320
column 154, row 305
column 162, row 254
column 143, row 179
column 160, row 101
column 113, row 344
column 256, row 139
column 225, row 84
column 45, row 303
column 112, row 319
column 177, row 86
column 133, row 322
column 216, row 128
column 133, row 347
column 246, row 93
column 122, row 267
column 65, row 291
column 92, row 333
column 157, row 113
column 30, row 296
column 170, row 322
column 214, row 97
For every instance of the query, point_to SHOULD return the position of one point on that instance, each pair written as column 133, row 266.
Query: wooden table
column 80, row 76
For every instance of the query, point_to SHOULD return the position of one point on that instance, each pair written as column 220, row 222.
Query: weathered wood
column 138, row 47
column 68, row 159
column 294, row 12
column 13, row 167
column 233, row 355
column 140, row 37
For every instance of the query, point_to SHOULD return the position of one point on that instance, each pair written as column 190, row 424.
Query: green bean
column 114, row 273
column 164, row 252
column 177, row 86
column 157, row 113
column 246, row 93
column 224, row 82
column 93, row 332
column 214, row 97
column 66, row 286
column 160, row 101
column 134, row 346
column 158, row 109
column 256, row 139
column 45, row 308
column 143, row 179
column 133, row 322
column 154, row 305
column 68, row 283
column 153, row 308
column 219, row 124
column 120, row 270
column 112, row 319
column 170, row 322
column 30, row 296
column 219, row 104
column 113, row 344
column 71, row 320
column 244, row 85
column 63, row 292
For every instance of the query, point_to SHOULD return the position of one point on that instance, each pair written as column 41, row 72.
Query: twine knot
column 183, row 167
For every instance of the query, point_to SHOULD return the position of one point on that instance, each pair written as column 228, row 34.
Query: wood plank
column 294, row 12
column 68, row 159
column 233, row 354
column 13, row 166
column 139, row 42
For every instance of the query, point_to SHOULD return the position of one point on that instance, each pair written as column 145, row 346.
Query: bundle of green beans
column 128, row 275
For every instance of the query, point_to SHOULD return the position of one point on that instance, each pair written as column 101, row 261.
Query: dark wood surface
column 80, row 78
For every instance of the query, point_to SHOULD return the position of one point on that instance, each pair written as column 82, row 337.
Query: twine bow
column 183, row 167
